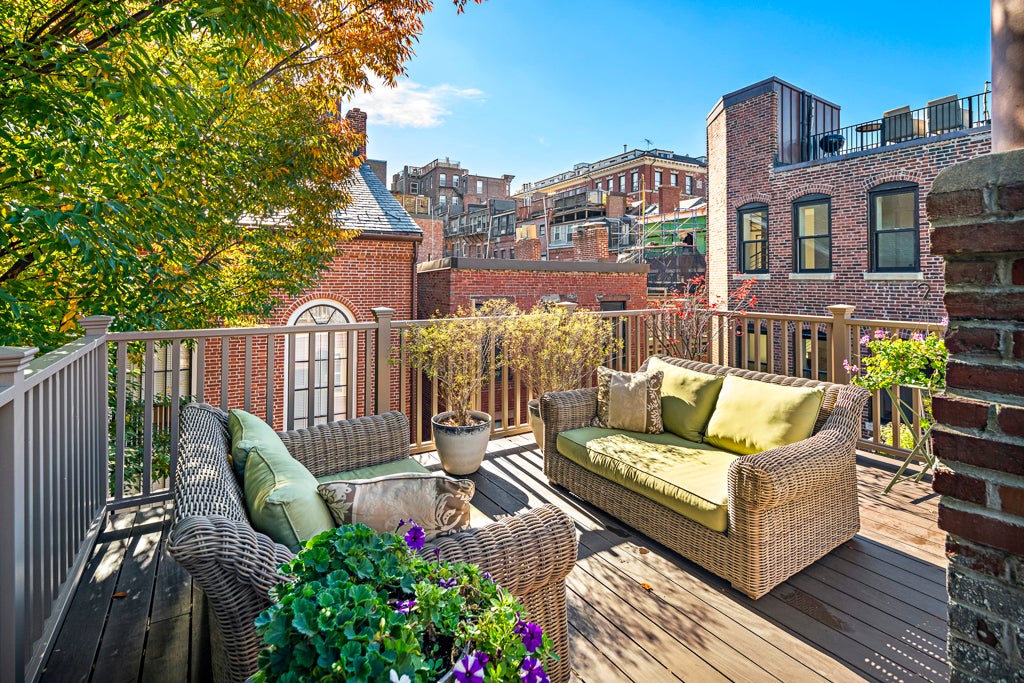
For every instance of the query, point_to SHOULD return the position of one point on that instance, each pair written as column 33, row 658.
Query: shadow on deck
column 873, row 609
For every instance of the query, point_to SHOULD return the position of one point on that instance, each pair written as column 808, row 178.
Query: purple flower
column 414, row 537
column 945, row 321
column 447, row 583
column 531, row 671
column 470, row 669
column 531, row 633
column 487, row 575
column 879, row 334
column 404, row 606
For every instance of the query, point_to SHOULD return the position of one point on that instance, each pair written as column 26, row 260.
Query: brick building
column 481, row 230
column 450, row 187
column 448, row 284
column 820, row 214
column 376, row 268
column 610, row 192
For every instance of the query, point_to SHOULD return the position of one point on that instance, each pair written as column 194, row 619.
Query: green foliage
column 361, row 605
column 551, row 349
column 907, row 441
column 177, row 163
column 919, row 361
column 456, row 350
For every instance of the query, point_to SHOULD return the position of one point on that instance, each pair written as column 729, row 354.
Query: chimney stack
column 356, row 118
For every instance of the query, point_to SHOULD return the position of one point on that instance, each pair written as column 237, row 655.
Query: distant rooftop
column 374, row 209
column 582, row 169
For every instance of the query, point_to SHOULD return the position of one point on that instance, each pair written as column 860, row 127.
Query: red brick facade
column 977, row 210
column 444, row 286
column 742, row 148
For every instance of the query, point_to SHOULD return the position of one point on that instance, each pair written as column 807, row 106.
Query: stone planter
column 536, row 423
column 461, row 449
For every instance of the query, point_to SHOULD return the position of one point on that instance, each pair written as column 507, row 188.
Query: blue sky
column 531, row 88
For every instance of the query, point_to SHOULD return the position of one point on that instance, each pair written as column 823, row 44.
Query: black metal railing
column 899, row 125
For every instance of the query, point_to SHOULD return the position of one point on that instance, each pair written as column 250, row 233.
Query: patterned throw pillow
column 437, row 503
column 629, row 401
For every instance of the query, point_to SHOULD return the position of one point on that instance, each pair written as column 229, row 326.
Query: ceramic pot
column 461, row 449
column 536, row 423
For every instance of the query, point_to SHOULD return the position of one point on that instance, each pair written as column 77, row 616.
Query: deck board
column 873, row 609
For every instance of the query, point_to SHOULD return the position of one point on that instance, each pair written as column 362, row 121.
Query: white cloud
column 410, row 104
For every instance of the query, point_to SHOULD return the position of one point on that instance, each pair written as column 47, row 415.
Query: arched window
column 318, row 373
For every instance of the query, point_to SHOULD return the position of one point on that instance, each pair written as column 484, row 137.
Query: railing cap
column 95, row 325
column 382, row 313
column 13, row 361
column 841, row 310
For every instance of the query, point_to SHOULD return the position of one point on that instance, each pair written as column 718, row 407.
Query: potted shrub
column 363, row 607
column 552, row 348
column 455, row 350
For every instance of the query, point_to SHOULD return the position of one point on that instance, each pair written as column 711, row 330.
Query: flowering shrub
column 687, row 326
column 918, row 361
column 364, row 607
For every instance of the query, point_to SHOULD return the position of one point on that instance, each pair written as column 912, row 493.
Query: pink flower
column 864, row 340
column 918, row 337
column 945, row 321
column 879, row 334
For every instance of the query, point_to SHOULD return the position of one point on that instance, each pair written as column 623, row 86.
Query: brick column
column 528, row 249
column 976, row 211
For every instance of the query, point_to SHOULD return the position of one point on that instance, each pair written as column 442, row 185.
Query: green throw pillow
column 248, row 431
column 687, row 398
column 281, row 496
column 753, row 416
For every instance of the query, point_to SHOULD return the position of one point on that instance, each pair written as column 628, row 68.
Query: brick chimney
column 615, row 205
column 590, row 244
column 356, row 118
column 528, row 249
column 668, row 198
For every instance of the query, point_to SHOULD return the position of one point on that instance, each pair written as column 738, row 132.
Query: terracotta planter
column 461, row 449
column 536, row 423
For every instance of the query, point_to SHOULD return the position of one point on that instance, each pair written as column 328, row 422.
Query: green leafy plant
column 553, row 349
column 456, row 350
column 363, row 607
column 918, row 361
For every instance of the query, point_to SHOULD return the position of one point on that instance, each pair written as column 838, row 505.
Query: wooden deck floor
column 874, row 609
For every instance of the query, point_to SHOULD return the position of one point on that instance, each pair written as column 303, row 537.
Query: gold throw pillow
column 629, row 401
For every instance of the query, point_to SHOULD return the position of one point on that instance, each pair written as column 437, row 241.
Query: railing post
column 97, row 326
column 382, row 344
column 569, row 306
column 13, row 616
column 840, row 350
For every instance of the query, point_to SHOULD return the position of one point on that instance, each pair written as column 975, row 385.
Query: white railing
column 53, row 488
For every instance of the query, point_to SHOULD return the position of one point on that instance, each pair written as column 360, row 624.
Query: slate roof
column 374, row 209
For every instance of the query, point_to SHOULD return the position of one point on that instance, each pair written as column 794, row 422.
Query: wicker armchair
column 529, row 554
column 788, row 506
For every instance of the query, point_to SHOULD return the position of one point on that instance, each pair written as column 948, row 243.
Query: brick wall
column 446, row 285
column 977, row 210
column 432, row 246
column 357, row 122
column 365, row 273
column 750, row 139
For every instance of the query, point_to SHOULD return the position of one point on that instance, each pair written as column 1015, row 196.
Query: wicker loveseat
column 786, row 507
column 529, row 554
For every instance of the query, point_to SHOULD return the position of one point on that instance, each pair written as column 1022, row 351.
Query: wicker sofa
column 529, row 554
column 787, row 506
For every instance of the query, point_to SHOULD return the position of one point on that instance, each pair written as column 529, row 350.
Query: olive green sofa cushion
column 247, row 432
column 282, row 499
column 752, row 416
column 689, row 478
column 687, row 398
column 400, row 466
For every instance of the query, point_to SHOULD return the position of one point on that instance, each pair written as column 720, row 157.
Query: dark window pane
column 814, row 253
column 897, row 250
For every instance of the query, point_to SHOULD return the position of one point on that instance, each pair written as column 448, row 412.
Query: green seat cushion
column 282, row 498
column 248, row 431
column 689, row 478
column 753, row 416
column 402, row 466
column 687, row 398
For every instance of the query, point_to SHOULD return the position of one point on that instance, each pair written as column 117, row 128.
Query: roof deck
column 873, row 609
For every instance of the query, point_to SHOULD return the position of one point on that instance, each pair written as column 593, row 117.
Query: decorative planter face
column 461, row 449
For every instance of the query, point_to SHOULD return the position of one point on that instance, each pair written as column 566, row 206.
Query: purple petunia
column 404, row 606
column 414, row 537
column 447, row 583
column 531, row 633
column 531, row 671
column 470, row 668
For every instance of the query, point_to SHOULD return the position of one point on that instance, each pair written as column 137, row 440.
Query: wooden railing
column 53, row 488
